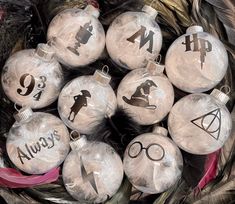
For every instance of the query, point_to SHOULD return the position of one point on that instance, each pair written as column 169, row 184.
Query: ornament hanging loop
column 226, row 89
column 74, row 135
column 158, row 59
column 16, row 108
column 105, row 69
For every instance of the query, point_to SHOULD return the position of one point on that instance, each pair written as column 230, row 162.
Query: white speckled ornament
column 77, row 36
column 158, row 160
column 133, row 38
column 32, row 77
column 92, row 172
column 200, row 123
column 196, row 61
column 37, row 142
column 146, row 94
column 86, row 100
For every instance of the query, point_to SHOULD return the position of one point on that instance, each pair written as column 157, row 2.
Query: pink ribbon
column 11, row 178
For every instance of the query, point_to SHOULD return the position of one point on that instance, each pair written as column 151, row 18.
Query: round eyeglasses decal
column 154, row 151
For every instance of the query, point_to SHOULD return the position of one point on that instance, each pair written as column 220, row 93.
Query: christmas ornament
column 134, row 38
column 158, row 160
column 196, row 61
column 86, row 100
column 146, row 94
column 77, row 36
column 92, row 172
column 200, row 123
column 37, row 142
column 32, row 77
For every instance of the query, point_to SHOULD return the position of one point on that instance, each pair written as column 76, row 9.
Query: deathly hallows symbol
column 210, row 123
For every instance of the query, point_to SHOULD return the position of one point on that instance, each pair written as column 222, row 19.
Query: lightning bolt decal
column 88, row 177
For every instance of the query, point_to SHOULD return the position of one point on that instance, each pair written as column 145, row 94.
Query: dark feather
column 118, row 130
column 194, row 166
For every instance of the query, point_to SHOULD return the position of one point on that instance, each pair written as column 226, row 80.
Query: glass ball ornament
column 77, row 36
column 158, row 160
column 133, row 38
column 92, row 172
column 37, row 142
column 32, row 77
column 200, row 123
column 196, row 61
column 146, row 94
column 86, row 100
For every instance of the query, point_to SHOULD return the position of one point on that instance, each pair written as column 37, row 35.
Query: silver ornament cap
column 160, row 130
column 44, row 51
column 194, row 29
column 154, row 69
column 102, row 77
column 92, row 10
column 23, row 114
column 224, row 98
column 78, row 143
column 150, row 11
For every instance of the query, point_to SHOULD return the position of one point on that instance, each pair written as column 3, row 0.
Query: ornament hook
column 226, row 89
column 74, row 135
column 105, row 69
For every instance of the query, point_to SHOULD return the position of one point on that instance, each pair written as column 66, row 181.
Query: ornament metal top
column 133, row 38
column 146, row 94
column 37, row 142
column 92, row 172
column 86, row 100
column 77, row 36
column 32, row 77
column 158, row 160
column 200, row 123
column 196, row 61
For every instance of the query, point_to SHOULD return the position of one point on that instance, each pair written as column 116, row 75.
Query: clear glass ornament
column 196, row 61
column 32, row 77
column 133, row 38
column 158, row 160
column 146, row 94
column 200, row 123
column 86, row 100
column 92, row 172
column 77, row 36
column 37, row 142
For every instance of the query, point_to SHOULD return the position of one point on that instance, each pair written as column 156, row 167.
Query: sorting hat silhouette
column 140, row 97
column 80, row 101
